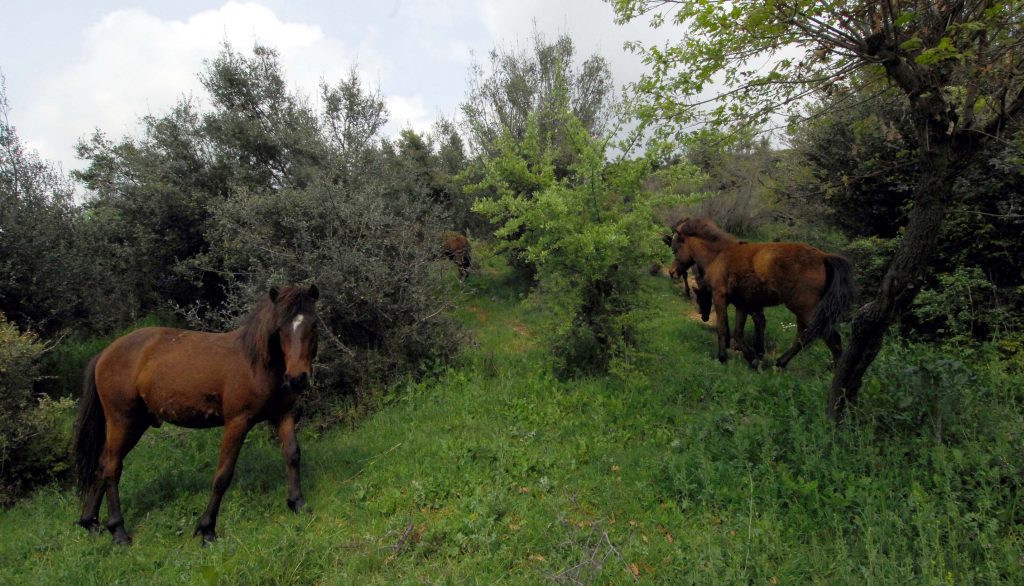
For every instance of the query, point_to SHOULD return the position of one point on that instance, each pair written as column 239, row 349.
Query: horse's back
column 454, row 242
column 772, row 273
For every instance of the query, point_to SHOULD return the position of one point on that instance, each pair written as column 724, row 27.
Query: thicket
column 35, row 431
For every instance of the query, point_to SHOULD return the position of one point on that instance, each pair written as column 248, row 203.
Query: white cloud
column 408, row 112
column 133, row 63
column 590, row 23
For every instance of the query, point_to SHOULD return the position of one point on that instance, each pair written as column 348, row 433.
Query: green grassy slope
column 492, row 471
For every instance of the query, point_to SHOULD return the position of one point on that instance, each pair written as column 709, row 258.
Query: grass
column 493, row 471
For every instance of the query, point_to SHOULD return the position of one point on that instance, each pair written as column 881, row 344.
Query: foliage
column 588, row 235
column 717, row 77
column 964, row 304
column 45, row 281
column 35, row 433
column 540, row 83
column 738, row 171
column 491, row 470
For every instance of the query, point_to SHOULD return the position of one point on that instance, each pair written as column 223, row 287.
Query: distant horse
column 817, row 287
column 199, row 380
column 455, row 248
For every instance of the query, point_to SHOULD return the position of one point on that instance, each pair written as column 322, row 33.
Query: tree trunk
column 903, row 277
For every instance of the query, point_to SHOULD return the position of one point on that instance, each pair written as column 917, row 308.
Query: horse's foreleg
column 759, row 327
column 722, row 322
column 230, row 445
column 292, row 458
column 122, row 435
column 741, row 321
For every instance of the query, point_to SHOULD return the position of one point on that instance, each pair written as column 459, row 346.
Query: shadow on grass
column 178, row 462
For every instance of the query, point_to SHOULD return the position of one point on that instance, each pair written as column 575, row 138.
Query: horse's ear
column 314, row 292
column 273, row 294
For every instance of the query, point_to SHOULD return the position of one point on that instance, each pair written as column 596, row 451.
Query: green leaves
column 586, row 231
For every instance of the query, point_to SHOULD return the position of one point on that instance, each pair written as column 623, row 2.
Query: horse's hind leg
column 90, row 518
column 122, row 435
column 798, row 344
column 292, row 458
column 759, row 326
column 234, row 435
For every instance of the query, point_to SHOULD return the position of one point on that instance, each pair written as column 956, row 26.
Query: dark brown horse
column 817, row 287
column 699, row 253
column 455, row 248
column 199, row 380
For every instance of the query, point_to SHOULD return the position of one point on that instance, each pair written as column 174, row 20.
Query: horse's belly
column 187, row 410
column 190, row 418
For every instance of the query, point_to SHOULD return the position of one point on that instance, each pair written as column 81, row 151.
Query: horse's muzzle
column 296, row 383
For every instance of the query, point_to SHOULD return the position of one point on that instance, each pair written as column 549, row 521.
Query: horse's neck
column 705, row 251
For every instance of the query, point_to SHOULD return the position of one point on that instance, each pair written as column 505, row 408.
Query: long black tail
column 840, row 291
column 90, row 429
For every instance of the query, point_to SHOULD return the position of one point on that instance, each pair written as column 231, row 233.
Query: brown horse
column 817, row 287
column 455, row 248
column 699, row 253
column 199, row 380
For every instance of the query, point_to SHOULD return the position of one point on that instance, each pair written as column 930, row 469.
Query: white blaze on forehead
column 297, row 322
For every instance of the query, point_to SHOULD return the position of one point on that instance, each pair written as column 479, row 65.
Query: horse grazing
column 817, row 287
column 195, row 379
column 455, row 248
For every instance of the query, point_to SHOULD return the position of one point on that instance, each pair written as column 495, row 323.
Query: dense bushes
column 35, row 432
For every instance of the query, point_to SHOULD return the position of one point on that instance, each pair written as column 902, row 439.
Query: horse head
column 295, row 309
column 703, row 295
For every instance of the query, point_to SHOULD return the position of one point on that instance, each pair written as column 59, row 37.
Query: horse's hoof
column 209, row 537
column 296, row 505
column 121, row 537
column 91, row 525
column 722, row 358
column 208, row 533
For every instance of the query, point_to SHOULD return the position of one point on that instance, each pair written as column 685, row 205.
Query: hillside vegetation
column 491, row 470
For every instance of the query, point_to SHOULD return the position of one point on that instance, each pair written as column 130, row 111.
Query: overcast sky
column 74, row 66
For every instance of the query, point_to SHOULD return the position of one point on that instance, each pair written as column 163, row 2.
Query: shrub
column 35, row 433
column 384, row 288
column 589, row 234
